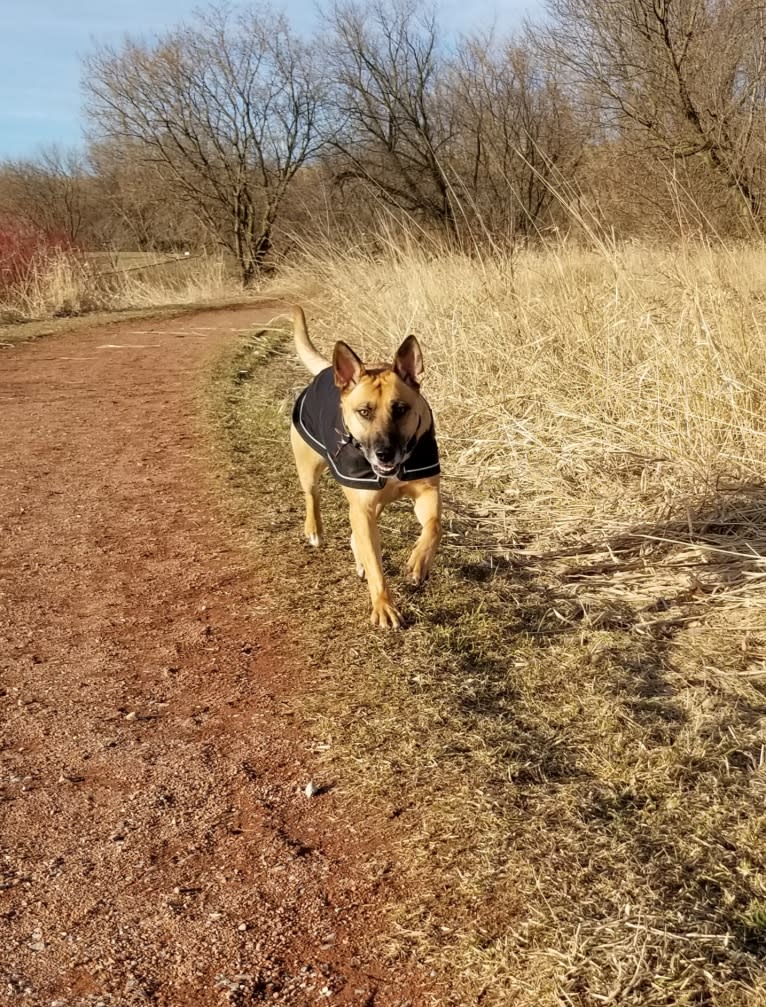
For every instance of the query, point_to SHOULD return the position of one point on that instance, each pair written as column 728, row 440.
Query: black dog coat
column 318, row 419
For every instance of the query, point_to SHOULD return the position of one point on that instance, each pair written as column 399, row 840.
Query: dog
column 375, row 432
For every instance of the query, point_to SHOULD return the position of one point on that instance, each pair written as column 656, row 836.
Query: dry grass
column 67, row 284
column 560, row 376
column 572, row 730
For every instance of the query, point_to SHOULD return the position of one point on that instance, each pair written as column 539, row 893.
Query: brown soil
column 157, row 843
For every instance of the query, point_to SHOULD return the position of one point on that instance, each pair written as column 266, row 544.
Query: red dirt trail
column 156, row 846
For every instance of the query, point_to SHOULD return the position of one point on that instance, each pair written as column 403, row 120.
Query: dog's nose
column 386, row 453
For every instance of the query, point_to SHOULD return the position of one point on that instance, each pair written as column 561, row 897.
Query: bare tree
column 139, row 208
column 227, row 109
column 519, row 143
column 394, row 126
column 51, row 192
column 689, row 76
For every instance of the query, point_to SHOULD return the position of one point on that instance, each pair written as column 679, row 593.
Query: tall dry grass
column 64, row 283
column 570, row 384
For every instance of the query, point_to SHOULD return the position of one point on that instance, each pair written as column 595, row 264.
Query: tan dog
column 374, row 430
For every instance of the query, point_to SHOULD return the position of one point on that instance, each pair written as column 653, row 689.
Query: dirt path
column 157, row 846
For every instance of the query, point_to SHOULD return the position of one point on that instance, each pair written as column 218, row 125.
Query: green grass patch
column 579, row 769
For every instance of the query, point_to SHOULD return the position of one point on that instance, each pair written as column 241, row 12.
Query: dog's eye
column 365, row 412
column 399, row 409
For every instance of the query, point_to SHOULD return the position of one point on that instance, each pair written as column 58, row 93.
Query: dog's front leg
column 428, row 510
column 363, row 511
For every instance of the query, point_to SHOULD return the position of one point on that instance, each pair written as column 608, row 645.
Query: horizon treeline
column 634, row 118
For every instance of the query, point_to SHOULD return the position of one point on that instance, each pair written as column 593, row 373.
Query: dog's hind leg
column 310, row 465
column 428, row 510
column 357, row 561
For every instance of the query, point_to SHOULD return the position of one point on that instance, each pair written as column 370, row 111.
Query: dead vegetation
column 572, row 728
column 68, row 283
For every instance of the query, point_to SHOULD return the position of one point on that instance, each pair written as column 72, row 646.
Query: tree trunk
column 247, row 272
column 251, row 255
column 262, row 249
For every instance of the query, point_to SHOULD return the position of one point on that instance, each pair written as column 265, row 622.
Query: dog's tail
column 305, row 349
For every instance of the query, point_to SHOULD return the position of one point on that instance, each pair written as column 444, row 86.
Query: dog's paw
column 314, row 540
column 384, row 614
column 419, row 566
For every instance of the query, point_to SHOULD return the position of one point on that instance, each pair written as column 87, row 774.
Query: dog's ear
column 408, row 362
column 346, row 365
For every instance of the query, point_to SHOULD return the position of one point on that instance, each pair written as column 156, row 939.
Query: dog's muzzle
column 386, row 471
column 386, row 458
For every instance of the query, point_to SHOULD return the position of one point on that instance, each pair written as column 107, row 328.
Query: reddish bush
column 24, row 250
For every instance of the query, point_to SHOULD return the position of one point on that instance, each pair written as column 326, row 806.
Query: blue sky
column 42, row 42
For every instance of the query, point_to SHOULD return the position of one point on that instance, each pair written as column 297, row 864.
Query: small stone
column 311, row 789
column 131, row 716
column 242, row 926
